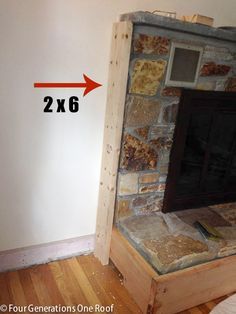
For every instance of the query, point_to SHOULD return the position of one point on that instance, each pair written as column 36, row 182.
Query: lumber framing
column 173, row 292
column 117, row 85
column 137, row 273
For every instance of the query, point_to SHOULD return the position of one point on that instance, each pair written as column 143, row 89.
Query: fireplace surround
column 151, row 107
column 138, row 140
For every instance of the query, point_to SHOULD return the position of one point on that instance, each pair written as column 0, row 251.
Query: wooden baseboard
column 41, row 254
column 173, row 292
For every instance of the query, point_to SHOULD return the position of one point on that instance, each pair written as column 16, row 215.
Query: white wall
column 50, row 163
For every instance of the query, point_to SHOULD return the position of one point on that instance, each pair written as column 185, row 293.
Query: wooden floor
column 82, row 280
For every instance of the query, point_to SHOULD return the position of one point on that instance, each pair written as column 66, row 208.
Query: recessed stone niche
column 168, row 241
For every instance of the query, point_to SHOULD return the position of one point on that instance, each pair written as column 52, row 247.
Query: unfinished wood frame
column 173, row 292
column 117, row 84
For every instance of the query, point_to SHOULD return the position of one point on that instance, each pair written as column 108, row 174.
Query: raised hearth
column 170, row 242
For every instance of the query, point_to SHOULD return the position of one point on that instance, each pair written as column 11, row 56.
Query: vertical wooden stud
column 117, row 85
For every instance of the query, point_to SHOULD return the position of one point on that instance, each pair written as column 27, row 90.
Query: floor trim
column 40, row 254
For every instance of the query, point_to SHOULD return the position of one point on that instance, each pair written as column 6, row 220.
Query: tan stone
column 141, row 111
column 229, row 243
column 167, row 245
column 123, row 208
column 128, row 184
column 145, row 227
column 151, row 44
column 206, row 86
column 152, row 188
column 163, row 169
column 149, row 188
column 146, row 76
column 137, row 155
column 148, row 203
column 172, row 248
column 149, row 178
column 154, row 204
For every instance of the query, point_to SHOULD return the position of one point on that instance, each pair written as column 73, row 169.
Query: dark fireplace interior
column 202, row 168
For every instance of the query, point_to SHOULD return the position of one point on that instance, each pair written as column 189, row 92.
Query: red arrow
column 89, row 85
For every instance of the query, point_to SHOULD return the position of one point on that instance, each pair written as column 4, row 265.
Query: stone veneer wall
column 151, row 108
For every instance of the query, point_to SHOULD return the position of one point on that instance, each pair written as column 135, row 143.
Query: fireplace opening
column 202, row 169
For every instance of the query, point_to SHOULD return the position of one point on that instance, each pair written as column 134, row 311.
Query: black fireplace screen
column 202, row 168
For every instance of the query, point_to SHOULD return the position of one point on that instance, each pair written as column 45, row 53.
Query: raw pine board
column 117, row 84
column 137, row 273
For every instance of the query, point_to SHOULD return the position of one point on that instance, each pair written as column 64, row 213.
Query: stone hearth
column 170, row 241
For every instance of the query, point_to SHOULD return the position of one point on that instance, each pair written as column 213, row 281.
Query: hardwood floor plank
column 28, row 287
column 108, row 284
column 117, row 291
column 76, row 293
column 92, row 274
column 195, row 310
column 4, row 290
column 62, row 284
column 49, row 282
column 42, row 290
column 16, row 290
column 204, row 309
column 82, row 280
column 210, row 305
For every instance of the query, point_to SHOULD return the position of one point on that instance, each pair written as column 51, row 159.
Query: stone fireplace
column 169, row 241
